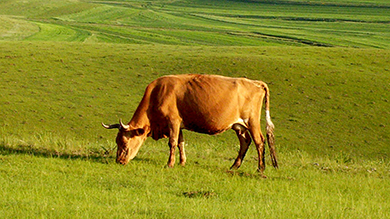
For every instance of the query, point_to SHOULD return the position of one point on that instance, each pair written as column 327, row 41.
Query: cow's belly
column 211, row 126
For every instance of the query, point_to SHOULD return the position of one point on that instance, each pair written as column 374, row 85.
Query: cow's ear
column 138, row 132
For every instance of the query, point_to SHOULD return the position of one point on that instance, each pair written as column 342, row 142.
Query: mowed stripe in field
column 254, row 23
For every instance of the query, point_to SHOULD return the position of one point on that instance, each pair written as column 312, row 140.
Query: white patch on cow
column 268, row 119
column 242, row 122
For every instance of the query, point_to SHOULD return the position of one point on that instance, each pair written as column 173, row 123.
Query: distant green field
column 351, row 23
column 68, row 65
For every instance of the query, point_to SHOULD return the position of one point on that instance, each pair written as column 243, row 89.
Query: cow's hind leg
column 259, row 141
column 245, row 141
column 181, row 148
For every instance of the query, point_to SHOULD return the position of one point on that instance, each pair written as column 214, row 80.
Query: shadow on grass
column 100, row 156
column 88, row 154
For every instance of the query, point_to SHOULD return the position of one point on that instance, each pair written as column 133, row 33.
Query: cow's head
column 129, row 141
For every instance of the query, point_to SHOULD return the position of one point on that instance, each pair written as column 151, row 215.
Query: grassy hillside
column 197, row 22
column 329, row 105
column 66, row 66
column 340, row 95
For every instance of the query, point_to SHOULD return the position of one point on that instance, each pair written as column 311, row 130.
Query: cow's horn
column 115, row 126
column 126, row 127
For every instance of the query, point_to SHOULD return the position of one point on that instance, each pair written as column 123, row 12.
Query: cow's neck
column 140, row 118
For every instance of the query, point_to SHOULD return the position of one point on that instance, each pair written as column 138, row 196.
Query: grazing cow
column 207, row 104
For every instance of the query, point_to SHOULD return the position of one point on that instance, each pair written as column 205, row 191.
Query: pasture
column 67, row 66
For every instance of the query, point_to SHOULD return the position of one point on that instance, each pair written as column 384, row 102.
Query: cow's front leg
column 181, row 148
column 172, row 146
column 173, row 142
column 183, row 157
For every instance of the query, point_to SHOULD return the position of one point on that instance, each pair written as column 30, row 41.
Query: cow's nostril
column 123, row 162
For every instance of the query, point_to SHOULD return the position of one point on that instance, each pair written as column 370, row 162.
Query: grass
column 14, row 29
column 362, row 24
column 46, row 186
column 332, row 135
column 76, row 87
column 67, row 66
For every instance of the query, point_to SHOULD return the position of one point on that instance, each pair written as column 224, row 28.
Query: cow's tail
column 269, row 127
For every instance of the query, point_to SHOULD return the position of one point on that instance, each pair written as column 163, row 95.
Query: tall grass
column 44, row 186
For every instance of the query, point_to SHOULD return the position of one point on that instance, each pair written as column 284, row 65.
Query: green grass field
column 353, row 23
column 66, row 66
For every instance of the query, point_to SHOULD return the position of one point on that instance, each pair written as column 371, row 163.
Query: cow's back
column 203, row 103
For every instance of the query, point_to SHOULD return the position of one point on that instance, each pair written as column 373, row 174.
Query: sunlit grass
column 67, row 66
column 57, row 161
column 360, row 24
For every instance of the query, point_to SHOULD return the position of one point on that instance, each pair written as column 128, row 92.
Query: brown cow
column 207, row 104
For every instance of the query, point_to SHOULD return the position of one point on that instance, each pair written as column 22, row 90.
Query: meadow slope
column 329, row 105
column 325, row 100
column 196, row 22
column 68, row 65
